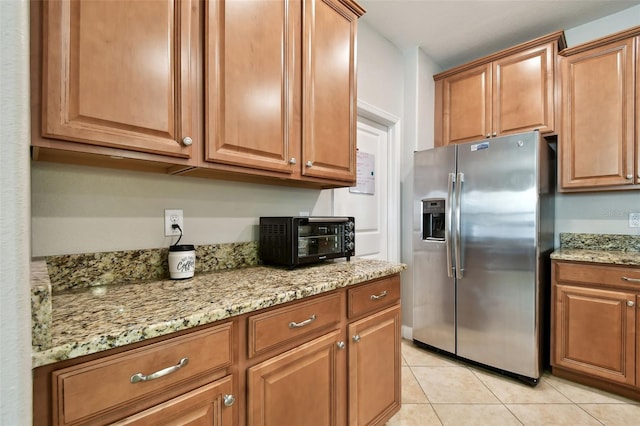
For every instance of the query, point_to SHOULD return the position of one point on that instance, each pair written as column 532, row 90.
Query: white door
column 370, row 208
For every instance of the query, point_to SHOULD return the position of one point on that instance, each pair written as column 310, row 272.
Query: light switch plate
column 634, row 220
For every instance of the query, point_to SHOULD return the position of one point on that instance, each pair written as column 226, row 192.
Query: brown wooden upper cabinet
column 509, row 92
column 119, row 75
column 600, row 133
column 280, row 87
column 267, row 89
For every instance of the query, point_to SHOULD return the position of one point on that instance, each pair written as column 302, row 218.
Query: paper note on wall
column 365, row 174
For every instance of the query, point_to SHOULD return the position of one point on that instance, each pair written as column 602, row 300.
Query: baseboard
column 407, row 332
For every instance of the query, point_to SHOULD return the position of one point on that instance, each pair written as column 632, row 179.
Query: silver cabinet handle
column 309, row 163
column 494, row 134
column 308, row 321
column 139, row 377
column 380, row 296
column 341, row 345
column 632, row 280
column 228, row 400
column 630, row 303
column 356, row 338
column 187, row 141
column 293, row 160
column 488, row 135
column 629, row 176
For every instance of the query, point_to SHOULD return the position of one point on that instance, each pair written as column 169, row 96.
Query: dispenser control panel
column 433, row 219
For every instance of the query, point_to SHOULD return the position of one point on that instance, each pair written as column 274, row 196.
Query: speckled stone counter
column 97, row 318
column 599, row 248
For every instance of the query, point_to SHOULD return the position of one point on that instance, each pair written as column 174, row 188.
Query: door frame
column 393, row 126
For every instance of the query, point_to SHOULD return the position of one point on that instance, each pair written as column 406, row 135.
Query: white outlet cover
column 634, row 220
column 172, row 216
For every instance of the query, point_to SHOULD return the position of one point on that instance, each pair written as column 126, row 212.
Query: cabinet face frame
column 69, row 113
column 580, row 151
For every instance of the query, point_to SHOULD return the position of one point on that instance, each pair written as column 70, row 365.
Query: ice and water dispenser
column 433, row 221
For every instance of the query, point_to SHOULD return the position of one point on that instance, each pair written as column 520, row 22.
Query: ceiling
column 452, row 32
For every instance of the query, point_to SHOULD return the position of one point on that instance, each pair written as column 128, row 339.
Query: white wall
column 381, row 83
column 15, row 315
column 380, row 71
column 419, row 93
column 622, row 20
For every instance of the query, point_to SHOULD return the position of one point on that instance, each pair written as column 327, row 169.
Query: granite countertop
column 599, row 248
column 598, row 256
column 89, row 320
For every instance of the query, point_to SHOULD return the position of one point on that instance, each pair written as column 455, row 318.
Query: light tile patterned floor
column 437, row 390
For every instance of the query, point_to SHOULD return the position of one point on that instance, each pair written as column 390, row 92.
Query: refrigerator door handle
column 447, row 229
column 458, row 246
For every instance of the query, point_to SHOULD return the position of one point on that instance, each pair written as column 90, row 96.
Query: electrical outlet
column 634, row 220
column 172, row 217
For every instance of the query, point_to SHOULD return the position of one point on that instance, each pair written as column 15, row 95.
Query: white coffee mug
column 182, row 261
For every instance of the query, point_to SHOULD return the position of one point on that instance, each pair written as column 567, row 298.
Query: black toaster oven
column 298, row 240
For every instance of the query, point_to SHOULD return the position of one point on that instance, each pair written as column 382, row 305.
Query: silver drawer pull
column 139, row 377
column 633, row 280
column 308, row 321
column 380, row 296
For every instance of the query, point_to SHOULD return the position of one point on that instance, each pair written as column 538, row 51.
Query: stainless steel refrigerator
column 483, row 233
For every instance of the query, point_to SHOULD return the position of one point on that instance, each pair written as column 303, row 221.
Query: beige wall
column 79, row 209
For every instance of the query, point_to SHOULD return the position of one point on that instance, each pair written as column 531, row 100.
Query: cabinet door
column 207, row 405
column 300, row 387
column 121, row 74
column 637, row 40
column 597, row 137
column 374, row 367
column 329, row 90
column 466, row 105
column 251, row 83
column 523, row 95
column 595, row 332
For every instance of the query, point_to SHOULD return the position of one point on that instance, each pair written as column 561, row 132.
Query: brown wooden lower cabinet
column 299, row 387
column 336, row 361
column 207, row 405
column 374, row 360
column 594, row 325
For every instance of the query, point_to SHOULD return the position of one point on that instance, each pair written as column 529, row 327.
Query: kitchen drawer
column 295, row 322
column 83, row 392
column 373, row 296
column 602, row 275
